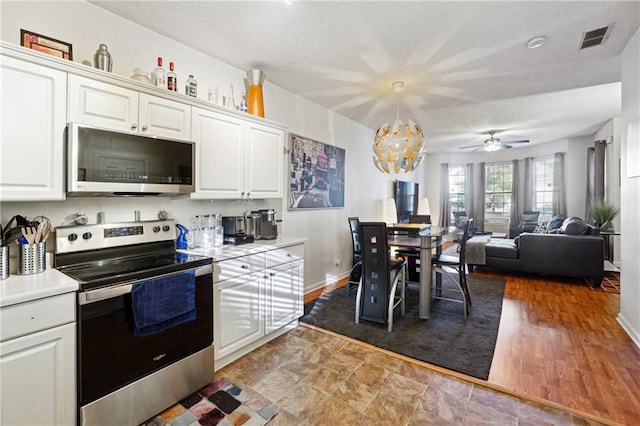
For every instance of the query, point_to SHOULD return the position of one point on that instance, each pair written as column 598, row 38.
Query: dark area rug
column 446, row 339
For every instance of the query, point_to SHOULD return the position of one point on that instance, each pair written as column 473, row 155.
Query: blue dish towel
column 162, row 303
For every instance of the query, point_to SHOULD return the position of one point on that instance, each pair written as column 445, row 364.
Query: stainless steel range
column 136, row 356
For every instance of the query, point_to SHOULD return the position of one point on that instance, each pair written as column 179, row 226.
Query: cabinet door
column 38, row 378
column 265, row 159
column 33, row 116
column 102, row 105
column 238, row 313
column 283, row 298
column 219, row 155
column 164, row 118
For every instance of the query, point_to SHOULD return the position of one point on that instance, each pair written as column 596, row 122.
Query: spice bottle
column 158, row 74
column 172, row 79
column 191, row 87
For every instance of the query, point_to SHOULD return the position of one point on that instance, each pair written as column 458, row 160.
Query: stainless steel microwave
column 109, row 163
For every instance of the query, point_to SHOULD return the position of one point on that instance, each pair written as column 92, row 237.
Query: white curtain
column 445, row 208
column 559, row 197
column 516, row 206
column 480, row 201
column 591, row 184
column 529, row 199
column 469, row 201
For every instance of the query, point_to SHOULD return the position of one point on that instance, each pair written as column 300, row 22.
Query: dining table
column 425, row 238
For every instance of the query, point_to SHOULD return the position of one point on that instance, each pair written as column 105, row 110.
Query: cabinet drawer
column 284, row 255
column 239, row 266
column 29, row 317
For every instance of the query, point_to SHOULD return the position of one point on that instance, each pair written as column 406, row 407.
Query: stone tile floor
column 313, row 378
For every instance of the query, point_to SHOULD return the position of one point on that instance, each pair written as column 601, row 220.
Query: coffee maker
column 268, row 226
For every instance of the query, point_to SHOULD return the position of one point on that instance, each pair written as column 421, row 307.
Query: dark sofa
column 578, row 256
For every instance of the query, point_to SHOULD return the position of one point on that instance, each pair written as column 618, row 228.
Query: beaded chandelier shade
column 398, row 147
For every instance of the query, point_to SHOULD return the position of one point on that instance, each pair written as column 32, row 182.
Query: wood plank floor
column 559, row 341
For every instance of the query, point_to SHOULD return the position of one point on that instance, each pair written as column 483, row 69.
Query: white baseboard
column 321, row 284
column 634, row 334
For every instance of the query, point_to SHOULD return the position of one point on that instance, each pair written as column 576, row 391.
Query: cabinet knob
column 134, row 126
column 244, row 267
column 144, row 128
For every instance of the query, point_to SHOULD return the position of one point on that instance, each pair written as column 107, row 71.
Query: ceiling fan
column 494, row 144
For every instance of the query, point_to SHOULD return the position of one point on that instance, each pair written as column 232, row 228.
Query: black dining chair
column 454, row 267
column 356, row 265
column 381, row 276
column 412, row 256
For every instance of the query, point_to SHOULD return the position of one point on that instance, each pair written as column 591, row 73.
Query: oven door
column 110, row 356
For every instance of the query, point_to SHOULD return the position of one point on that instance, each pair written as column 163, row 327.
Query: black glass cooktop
column 104, row 272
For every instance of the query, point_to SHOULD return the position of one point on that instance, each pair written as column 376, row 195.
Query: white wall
column 629, row 316
column 86, row 26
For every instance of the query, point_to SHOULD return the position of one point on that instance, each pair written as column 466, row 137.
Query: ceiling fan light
column 490, row 147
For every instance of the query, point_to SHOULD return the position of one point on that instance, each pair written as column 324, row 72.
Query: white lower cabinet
column 254, row 302
column 239, row 313
column 283, row 295
column 38, row 378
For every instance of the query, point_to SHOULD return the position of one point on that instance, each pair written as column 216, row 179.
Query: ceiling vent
column 595, row 37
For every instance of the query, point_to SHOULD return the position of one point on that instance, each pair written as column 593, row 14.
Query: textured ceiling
column 465, row 64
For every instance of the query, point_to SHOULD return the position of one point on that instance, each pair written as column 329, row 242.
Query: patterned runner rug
column 610, row 283
column 219, row 403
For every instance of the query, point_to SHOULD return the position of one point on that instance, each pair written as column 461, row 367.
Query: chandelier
column 398, row 147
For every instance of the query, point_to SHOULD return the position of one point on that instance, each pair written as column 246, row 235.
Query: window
column 543, row 187
column 498, row 187
column 457, row 189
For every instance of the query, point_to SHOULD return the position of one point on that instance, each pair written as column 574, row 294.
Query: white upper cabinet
column 112, row 107
column 219, row 155
column 33, row 117
column 264, row 156
column 235, row 158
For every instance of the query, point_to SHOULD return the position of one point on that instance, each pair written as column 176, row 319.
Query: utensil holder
column 32, row 258
column 4, row 262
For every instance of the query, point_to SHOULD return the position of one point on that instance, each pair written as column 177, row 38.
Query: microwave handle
column 92, row 296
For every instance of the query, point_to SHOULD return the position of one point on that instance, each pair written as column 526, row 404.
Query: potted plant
column 603, row 213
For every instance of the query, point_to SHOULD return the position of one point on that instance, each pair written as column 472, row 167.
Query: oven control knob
column 166, row 228
column 156, row 228
column 72, row 237
column 87, row 235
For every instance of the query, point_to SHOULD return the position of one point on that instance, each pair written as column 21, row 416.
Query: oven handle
column 92, row 296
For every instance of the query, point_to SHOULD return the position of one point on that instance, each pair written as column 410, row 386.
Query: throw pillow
column 540, row 229
column 529, row 218
column 555, row 222
column 574, row 226
column 461, row 222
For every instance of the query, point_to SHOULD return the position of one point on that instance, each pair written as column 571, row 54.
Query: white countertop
column 230, row 251
column 24, row 288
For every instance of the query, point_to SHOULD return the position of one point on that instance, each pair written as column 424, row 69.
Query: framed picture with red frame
column 45, row 44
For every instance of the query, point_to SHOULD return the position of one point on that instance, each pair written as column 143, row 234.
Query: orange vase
column 255, row 104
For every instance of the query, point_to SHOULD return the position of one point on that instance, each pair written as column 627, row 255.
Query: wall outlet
column 338, row 261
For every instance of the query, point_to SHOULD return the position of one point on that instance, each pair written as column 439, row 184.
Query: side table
column 608, row 244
